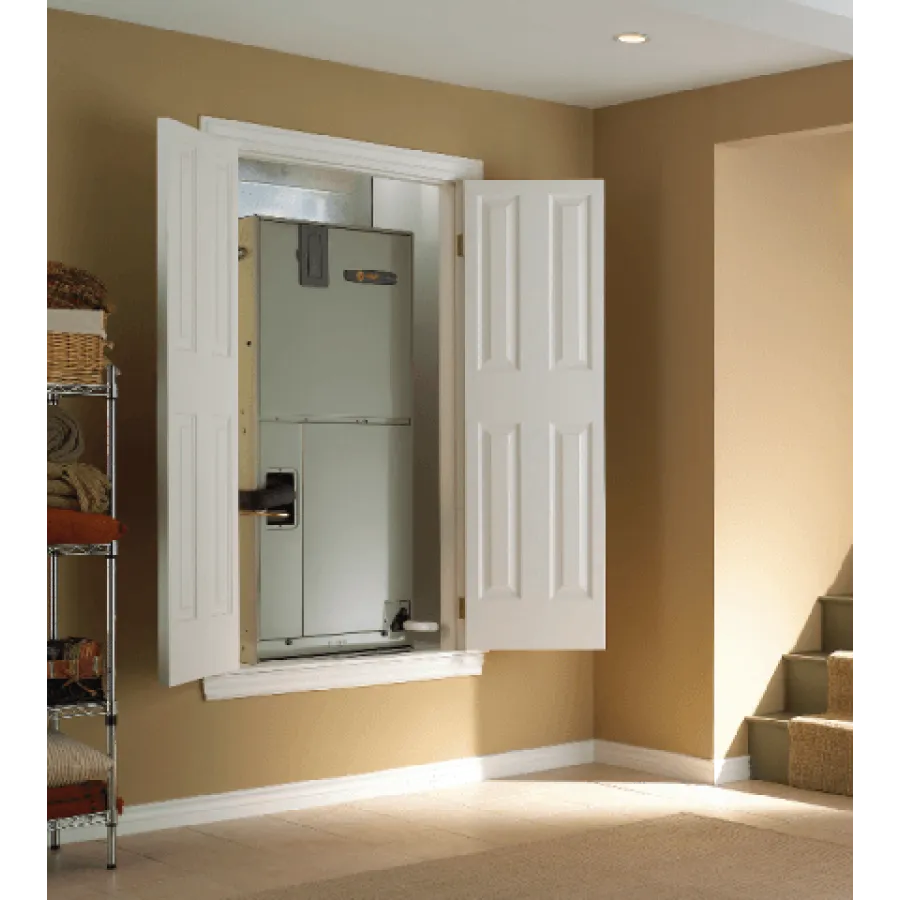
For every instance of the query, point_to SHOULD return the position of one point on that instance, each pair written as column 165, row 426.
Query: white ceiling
column 560, row 50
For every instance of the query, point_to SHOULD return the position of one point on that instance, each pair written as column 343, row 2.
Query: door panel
column 534, row 416
column 197, row 253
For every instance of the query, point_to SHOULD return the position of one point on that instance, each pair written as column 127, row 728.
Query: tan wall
column 655, row 684
column 783, row 408
column 107, row 84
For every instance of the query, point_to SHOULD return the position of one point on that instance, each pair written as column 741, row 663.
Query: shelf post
column 112, row 813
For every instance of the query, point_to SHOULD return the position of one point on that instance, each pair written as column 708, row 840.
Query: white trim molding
column 673, row 765
column 731, row 769
column 330, row 791
column 264, row 142
column 297, row 675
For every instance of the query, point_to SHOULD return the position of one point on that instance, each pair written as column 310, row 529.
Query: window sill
column 296, row 676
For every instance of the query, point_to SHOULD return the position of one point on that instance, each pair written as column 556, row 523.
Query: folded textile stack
column 74, row 671
column 78, row 800
column 65, row 442
column 77, row 486
column 78, row 494
column 66, row 526
column 72, row 762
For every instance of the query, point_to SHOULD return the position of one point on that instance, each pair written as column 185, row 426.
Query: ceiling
column 561, row 50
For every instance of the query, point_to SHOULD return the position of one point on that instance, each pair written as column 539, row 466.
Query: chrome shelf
column 78, row 390
column 78, row 710
column 98, row 818
column 107, row 550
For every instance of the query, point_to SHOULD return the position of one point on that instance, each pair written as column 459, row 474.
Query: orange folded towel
column 67, row 526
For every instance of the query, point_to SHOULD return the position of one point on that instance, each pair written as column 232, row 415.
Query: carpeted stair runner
column 821, row 746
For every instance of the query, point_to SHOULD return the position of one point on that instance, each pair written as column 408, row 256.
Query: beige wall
column 655, row 684
column 107, row 84
column 783, row 408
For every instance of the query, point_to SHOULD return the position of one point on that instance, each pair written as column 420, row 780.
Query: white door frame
column 261, row 142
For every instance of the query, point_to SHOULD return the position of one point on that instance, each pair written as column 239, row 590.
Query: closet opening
column 340, row 552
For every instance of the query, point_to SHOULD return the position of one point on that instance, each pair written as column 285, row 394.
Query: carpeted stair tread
column 826, row 720
column 820, row 754
column 840, row 683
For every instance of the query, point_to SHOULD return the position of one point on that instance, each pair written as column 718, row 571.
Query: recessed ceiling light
column 632, row 37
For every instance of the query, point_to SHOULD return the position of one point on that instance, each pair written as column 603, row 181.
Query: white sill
column 297, row 675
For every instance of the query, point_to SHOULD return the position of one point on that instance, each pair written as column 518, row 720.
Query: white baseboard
column 411, row 779
column 330, row 791
column 673, row 765
column 731, row 769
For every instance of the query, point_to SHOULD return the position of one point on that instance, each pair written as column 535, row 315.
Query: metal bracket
column 313, row 255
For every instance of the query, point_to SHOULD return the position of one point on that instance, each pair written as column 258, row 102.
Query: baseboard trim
column 411, row 779
column 331, row 791
column 731, row 769
column 673, row 765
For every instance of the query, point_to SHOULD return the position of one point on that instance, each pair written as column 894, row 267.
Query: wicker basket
column 76, row 358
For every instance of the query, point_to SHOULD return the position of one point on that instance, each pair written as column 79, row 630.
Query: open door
column 197, row 375
column 534, row 416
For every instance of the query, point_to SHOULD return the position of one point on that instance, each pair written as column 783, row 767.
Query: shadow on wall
column 773, row 698
column 843, row 583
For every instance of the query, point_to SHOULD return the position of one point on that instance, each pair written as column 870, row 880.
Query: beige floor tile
column 595, row 772
column 82, row 866
column 270, row 833
column 347, row 821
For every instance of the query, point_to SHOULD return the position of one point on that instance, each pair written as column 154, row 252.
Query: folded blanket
column 72, row 762
column 78, row 800
column 66, row 526
column 65, row 442
column 77, row 321
column 86, row 790
column 77, row 486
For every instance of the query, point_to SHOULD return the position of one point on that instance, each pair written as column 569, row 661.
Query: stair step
column 769, row 744
column 837, row 622
column 806, row 682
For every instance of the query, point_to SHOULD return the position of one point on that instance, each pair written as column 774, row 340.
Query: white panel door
column 197, row 255
column 534, row 416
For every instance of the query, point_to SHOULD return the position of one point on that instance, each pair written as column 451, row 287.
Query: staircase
column 810, row 744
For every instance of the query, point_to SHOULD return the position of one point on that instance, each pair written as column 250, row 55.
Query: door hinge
column 459, row 245
column 462, row 607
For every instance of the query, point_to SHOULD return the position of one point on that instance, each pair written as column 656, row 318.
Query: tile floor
column 231, row 859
